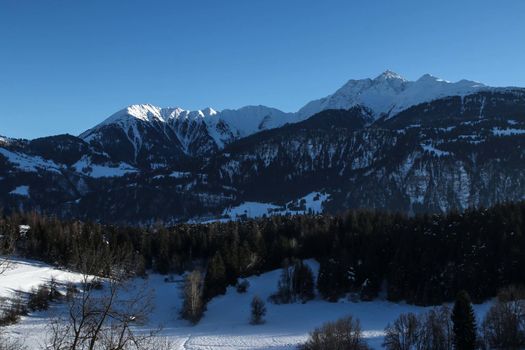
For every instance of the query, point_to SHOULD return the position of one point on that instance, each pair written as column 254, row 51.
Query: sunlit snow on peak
column 389, row 75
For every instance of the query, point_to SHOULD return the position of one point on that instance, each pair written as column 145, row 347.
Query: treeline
column 424, row 260
column 440, row 328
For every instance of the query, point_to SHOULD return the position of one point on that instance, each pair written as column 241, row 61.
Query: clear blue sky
column 66, row 65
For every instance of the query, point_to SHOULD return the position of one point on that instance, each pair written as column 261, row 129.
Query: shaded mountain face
column 407, row 151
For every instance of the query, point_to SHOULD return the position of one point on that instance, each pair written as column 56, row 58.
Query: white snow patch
column 98, row 171
column 23, row 229
column 507, row 132
column 21, row 191
column 29, row 163
column 180, row 174
column 431, row 149
column 156, row 166
column 86, row 167
column 311, row 203
column 23, row 275
column 250, row 210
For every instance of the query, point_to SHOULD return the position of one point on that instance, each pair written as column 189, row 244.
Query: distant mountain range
column 412, row 146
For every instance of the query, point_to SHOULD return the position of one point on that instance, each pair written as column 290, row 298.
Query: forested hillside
column 424, row 259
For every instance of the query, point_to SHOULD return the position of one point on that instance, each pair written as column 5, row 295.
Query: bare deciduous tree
column 343, row 334
column 107, row 317
column 10, row 314
column 431, row 330
column 7, row 343
column 403, row 333
column 193, row 306
column 8, row 239
column 436, row 330
column 504, row 324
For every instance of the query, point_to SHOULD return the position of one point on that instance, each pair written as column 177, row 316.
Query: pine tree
column 245, row 259
column 284, row 285
column 302, row 282
column 258, row 310
column 328, row 280
column 162, row 261
column 464, row 323
column 257, row 244
column 215, row 281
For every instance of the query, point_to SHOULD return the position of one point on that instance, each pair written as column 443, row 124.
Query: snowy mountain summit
column 390, row 93
column 187, row 127
column 198, row 131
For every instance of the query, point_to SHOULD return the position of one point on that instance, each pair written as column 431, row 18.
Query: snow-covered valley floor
column 225, row 324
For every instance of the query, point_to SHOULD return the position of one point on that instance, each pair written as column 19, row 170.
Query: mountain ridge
column 202, row 132
column 454, row 152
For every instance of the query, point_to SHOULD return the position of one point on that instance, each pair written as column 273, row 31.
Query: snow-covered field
column 87, row 167
column 23, row 275
column 310, row 203
column 226, row 321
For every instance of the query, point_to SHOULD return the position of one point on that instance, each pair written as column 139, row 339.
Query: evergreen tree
column 464, row 323
column 425, row 259
column 302, row 281
column 246, row 259
column 162, row 261
column 258, row 310
column 230, row 258
column 215, row 281
column 284, row 285
column 329, row 279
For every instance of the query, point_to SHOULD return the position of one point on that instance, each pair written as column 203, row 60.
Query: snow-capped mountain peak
column 389, row 75
column 390, row 93
column 430, row 78
column 193, row 129
column 144, row 112
column 209, row 111
column 385, row 95
column 149, row 113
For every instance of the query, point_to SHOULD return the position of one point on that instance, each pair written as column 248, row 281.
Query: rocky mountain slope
column 386, row 143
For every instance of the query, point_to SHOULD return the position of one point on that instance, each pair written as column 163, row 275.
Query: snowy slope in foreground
column 23, row 275
column 225, row 324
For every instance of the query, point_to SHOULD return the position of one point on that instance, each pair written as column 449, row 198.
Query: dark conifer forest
column 423, row 260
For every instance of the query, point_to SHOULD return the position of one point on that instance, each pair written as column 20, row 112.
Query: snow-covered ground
column 21, row 191
column 435, row 151
column 507, row 132
column 310, row 203
column 28, row 163
column 22, row 275
column 225, row 324
column 87, row 167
